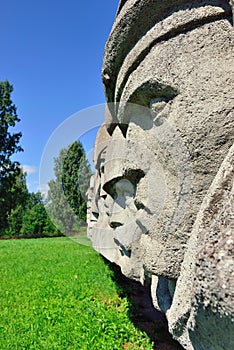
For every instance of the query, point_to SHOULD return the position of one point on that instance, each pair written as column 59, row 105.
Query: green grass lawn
column 57, row 294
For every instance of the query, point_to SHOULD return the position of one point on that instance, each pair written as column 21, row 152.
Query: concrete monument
column 161, row 201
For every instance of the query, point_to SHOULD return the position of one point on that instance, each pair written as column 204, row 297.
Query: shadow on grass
column 142, row 312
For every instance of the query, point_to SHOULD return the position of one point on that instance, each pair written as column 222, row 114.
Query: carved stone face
column 123, row 225
column 170, row 83
column 183, row 82
column 139, row 191
column 176, row 142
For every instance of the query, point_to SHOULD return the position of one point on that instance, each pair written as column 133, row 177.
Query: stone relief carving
column 161, row 201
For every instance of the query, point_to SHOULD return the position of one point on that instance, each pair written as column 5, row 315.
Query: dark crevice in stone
column 141, row 310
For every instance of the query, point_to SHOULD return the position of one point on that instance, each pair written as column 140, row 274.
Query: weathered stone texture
column 202, row 309
column 161, row 202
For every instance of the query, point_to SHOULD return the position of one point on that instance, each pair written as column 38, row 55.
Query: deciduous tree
column 75, row 178
column 66, row 195
column 10, row 172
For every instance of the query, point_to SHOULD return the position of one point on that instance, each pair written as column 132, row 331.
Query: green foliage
column 59, row 209
column 15, row 221
column 8, row 141
column 76, row 174
column 56, row 294
column 35, row 198
column 66, row 202
column 10, row 173
column 36, row 222
column 21, row 212
column 14, row 198
column 29, row 218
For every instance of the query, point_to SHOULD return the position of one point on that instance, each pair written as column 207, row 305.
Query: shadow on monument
column 142, row 312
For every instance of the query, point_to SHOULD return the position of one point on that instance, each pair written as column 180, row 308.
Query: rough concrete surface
column 161, row 201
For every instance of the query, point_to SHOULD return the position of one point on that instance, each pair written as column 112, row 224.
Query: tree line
column 25, row 214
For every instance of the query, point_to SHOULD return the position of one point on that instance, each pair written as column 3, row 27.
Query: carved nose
column 114, row 224
column 117, row 216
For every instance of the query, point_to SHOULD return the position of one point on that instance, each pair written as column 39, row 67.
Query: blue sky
column 51, row 51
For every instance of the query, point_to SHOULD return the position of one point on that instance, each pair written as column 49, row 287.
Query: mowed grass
column 57, row 294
